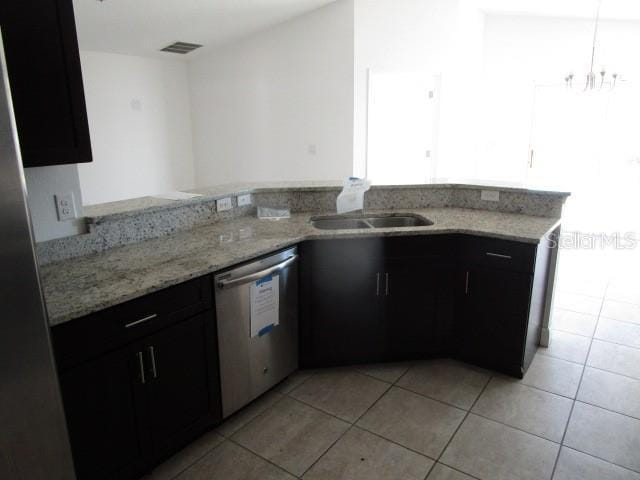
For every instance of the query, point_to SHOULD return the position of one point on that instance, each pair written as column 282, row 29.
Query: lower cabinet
column 374, row 300
column 493, row 318
column 102, row 399
column 477, row 299
column 128, row 408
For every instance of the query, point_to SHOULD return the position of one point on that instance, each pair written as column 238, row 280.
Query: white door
column 401, row 130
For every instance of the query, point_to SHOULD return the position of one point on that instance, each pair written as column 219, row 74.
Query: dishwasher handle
column 222, row 284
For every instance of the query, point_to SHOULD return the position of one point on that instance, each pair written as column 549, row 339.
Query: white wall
column 277, row 105
column 42, row 184
column 140, row 125
column 429, row 36
column 520, row 52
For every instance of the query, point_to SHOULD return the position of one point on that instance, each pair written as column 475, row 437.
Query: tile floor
column 574, row 416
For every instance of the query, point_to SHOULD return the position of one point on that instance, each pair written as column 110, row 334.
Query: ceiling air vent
column 180, row 47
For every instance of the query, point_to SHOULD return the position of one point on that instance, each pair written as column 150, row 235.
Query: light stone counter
column 86, row 284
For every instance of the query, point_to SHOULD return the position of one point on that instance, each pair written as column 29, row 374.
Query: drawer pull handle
column 152, row 354
column 143, row 378
column 499, row 255
column 142, row 320
column 386, row 283
column 378, row 284
column 466, row 283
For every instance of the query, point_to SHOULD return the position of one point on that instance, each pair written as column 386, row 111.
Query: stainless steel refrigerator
column 33, row 437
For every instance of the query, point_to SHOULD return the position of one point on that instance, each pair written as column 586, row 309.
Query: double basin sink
column 340, row 222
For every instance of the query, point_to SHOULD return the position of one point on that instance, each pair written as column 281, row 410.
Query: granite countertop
column 125, row 208
column 84, row 285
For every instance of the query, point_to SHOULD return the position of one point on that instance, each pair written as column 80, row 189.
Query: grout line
column 351, row 424
column 602, row 459
column 460, row 425
column 263, row 458
column 584, row 367
column 613, row 373
column 200, row 457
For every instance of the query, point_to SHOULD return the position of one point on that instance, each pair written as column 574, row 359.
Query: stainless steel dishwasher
column 251, row 363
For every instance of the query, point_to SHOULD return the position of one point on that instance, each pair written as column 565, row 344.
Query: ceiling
column 610, row 10
column 143, row 27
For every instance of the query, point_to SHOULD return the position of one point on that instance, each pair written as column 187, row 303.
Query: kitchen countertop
column 84, row 285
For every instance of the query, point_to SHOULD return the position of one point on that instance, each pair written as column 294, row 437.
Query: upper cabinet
column 41, row 50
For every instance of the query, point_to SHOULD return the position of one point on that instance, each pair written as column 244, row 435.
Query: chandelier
column 594, row 80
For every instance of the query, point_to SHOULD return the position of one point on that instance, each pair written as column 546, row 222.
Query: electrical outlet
column 65, row 206
column 490, row 195
column 224, row 204
column 244, row 200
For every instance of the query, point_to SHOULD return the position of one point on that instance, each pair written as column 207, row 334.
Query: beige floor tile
column 573, row 465
column 492, row 451
column 446, row 380
column 627, row 292
column 567, row 346
column 578, row 303
column 360, row 455
column 535, row 411
column 387, row 372
column 554, row 375
column 343, row 393
column 239, row 419
column 615, row 358
column 414, row 421
column 186, row 457
column 232, row 462
column 604, row 434
column 291, row 434
column 627, row 312
column 611, row 391
column 592, row 287
column 293, row 381
column 573, row 322
column 442, row 472
column 618, row 332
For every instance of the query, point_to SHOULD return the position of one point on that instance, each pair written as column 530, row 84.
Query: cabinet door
column 492, row 325
column 346, row 302
column 183, row 396
column 101, row 398
column 43, row 63
column 413, row 289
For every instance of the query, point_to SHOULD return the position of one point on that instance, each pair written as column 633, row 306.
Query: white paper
column 265, row 303
column 178, row 195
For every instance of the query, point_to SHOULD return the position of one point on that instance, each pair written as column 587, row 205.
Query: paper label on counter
column 265, row 301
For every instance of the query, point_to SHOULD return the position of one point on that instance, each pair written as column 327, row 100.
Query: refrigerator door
column 33, row 437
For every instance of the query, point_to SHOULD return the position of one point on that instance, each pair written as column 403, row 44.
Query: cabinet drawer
column 92, row 335
column 491, row 252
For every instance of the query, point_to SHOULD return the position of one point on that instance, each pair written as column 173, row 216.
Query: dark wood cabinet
column 400, row 298
column 137, row 391
column 102, row 399
column 374, row 300
column 179, row 375
column 493, row 317
column 43, row 63
column 418, row 310
column 344, row 301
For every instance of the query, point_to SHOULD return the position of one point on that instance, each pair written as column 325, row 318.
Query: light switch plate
column 65, row 206
column 224, row 204
column 490, row 195
column 244, row 200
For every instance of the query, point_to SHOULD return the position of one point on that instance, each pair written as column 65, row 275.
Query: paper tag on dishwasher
column 265, row 304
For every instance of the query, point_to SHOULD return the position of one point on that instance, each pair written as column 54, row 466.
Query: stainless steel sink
column 338, row 222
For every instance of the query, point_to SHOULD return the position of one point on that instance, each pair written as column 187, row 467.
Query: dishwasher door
column 249, row 366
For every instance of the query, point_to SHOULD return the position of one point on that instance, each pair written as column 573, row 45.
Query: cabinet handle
column 466, row 283
column 386, row 283
column 152, row 354
column 499, row 255
column 378, row 284
column 142, row 320
column 143, row 378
